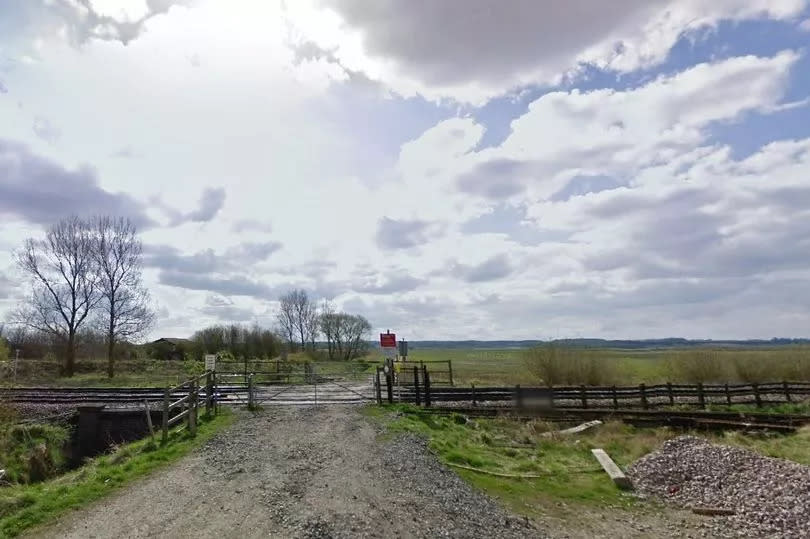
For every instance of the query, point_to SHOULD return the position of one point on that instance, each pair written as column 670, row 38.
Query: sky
column 465, row 169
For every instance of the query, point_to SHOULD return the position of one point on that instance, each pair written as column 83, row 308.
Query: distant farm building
column 169, row 348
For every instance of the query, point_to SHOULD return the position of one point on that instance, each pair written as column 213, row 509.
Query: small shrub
column 555, row 364
column 755, row 369
column 699, row 365
column 32, row 453
column 4, row 350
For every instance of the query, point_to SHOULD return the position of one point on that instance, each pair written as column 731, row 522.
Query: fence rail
column 421, row 390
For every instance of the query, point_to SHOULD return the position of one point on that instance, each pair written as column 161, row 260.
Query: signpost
column 210, row 362
column 388, row 343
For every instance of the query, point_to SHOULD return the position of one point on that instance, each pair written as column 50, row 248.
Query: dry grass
column 556, row 364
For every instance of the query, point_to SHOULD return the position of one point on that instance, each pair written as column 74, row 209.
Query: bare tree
column 298, row 318
column 286, row 318
column 125, row 302
column 345, row 333
column 64, row 283
column 327, row 322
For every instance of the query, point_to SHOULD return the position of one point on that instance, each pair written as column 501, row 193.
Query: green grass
column 31, row 452
column 502, row 367
column 25, row 506
column 569, row 475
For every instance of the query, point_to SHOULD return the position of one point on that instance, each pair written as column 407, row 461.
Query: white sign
column 390, row 353
column 210, row 362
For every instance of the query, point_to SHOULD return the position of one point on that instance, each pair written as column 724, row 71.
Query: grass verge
column 568, row 477
column 25, row 506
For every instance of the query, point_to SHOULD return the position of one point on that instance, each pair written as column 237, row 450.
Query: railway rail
column 711, row 420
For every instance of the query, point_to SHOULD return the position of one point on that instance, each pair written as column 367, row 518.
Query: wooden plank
column 612, row 469
column 573, row 430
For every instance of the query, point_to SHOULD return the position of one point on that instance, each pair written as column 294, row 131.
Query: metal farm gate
column 274, row 383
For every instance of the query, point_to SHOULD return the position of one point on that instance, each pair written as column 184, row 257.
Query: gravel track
column 309, row 472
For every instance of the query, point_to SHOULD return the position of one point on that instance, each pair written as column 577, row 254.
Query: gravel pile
column 771, row 496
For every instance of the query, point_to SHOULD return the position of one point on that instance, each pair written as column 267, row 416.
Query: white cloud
column 805, row 25
column 605, row 213
column 472, row 51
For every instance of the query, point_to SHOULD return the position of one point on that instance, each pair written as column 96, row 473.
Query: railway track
column 101, row 395
column 647, row 418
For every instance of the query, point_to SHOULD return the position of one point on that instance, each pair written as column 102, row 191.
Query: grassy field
column 629, row 367
column 560, row 474
column 25, row 506
column 496, row 367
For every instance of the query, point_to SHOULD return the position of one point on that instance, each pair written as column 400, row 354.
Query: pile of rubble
column 769, row 497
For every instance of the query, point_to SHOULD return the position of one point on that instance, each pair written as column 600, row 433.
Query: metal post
column 250, row 392
column 389, row 384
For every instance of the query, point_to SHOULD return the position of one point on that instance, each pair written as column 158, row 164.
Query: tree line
column 85, row 273
column 301, row 322
column 87, row 294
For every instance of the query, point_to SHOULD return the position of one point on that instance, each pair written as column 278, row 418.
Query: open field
column 630, row 367
column 482, row 367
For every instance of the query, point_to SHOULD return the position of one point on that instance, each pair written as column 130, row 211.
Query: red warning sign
column 388, row 340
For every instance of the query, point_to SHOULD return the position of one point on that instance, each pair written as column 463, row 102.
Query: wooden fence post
column 165, row 426
column 728, row 395
column 214, row 403
column 474, row 402
column 643, row 389
column 209, row 392
column 149, row 420
column 786, row 387
column 379, row 388
column 670, row 395
column 583, row 396
column 250, row 392
column 757, row 396
column 191, row 407
column 416, row 385
column 615, row 398
column 701, row 398
column 450, row 369
column 426, row 381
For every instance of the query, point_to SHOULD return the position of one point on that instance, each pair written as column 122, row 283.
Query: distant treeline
column 673, row 342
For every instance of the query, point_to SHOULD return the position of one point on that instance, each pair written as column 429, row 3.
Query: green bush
column 755, row 370
column 556, row 364
column 699, row 365
column 32, row 453
column 5, row 351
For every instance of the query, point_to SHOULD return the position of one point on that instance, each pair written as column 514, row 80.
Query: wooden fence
column 188, row 404
column 420, row 391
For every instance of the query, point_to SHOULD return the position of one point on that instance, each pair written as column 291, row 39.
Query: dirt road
column 298, row 472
